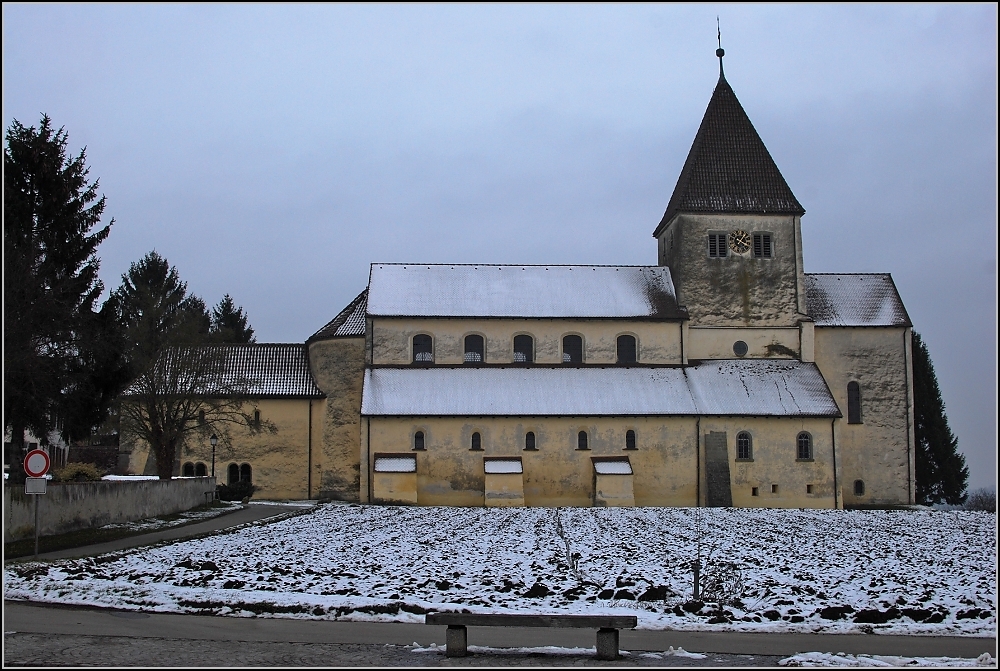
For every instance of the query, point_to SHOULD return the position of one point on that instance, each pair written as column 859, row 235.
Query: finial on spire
column 720, row 52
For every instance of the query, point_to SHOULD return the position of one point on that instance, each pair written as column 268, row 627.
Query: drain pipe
column 309, row 477
column 697, row 486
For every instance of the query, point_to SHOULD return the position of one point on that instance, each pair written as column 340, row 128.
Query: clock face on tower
column 739, row 241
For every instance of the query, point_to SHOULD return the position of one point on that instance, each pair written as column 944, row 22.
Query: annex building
column 723, row 376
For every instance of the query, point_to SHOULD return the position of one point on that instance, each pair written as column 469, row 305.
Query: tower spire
column 720, row 52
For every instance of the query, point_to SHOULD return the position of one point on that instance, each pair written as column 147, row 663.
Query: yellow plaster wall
column 556, row 473
column 658, row 342
column 279, row 461
column 394, row 488
column 762, row 343
column 613, row 490
column 878, row 451
column 504, row 489
column 338, row 366
column 774, row 462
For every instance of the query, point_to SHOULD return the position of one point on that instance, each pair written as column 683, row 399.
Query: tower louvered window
column 762, row 248
column 475, row 349
column 717, row 245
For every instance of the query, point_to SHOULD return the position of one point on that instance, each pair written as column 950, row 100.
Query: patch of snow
column 869, row 661
column 407, row 464
column 502, row 466
column 132, row 478
column 613, row 467
column 675, row 652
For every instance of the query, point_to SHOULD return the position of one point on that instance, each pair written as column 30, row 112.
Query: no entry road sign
column 36, row 463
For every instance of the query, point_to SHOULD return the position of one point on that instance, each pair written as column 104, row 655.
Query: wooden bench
column 607, row 627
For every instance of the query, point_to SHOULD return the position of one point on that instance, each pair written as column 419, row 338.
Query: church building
column 723, row 376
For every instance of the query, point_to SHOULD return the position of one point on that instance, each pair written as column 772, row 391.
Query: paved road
column 248, row 513
column 67, row 636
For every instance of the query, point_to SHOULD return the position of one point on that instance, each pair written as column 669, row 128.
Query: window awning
column 612, row 465
column 395, row 463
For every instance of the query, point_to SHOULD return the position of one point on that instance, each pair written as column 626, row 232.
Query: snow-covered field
column 892, row 572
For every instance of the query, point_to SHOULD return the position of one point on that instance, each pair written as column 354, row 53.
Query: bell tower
column 731, row 233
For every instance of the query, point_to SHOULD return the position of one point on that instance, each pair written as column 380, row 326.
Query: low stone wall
column 83, row 505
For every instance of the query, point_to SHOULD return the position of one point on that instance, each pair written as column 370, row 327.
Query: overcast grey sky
column 273, row 152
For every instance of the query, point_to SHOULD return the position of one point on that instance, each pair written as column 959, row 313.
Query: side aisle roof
column 759, row 387
column 854, row 299
column 466, row 290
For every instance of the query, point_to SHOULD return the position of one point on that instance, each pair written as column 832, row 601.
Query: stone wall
column 84, row 505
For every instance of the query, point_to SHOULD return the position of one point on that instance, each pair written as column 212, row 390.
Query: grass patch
column 83, row 537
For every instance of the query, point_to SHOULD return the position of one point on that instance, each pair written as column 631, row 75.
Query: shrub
column 236, row 491
column 982, row 499
column 77, row 472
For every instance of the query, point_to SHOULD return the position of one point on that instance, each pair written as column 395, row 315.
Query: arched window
column 744, row 446
column 529, row 441
column 234, row 474
column 804, row 446
column 524, row 349
column 423, row 349
column 477, row 441
column 256, row 418
column 859, row 487
column 581, row 441
column 853, row 403
column 572, row 349
column 188, row 470
column 630, row 440
column 246, row 473
column 200, row 469
column 626, row 350
column 201, row 416
column 418, row 440
column 475, row 349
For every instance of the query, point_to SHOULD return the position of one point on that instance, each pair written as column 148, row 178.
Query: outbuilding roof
column 256, row 370
column 854, row 299
column 349, row 323
column 785, row 388
column 466, row 290
column 728, row 169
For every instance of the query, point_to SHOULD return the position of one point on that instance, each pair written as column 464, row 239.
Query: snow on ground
column 892, row 572
column 156, row 524
column 869, row 661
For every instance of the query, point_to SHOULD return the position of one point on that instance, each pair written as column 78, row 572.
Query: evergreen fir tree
column 941, row 471
column 230, row 324
column 50, row 285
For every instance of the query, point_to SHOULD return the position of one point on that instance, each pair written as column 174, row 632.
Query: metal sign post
column 36, row 465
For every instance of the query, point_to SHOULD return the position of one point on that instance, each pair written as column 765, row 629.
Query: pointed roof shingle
column 728, row 169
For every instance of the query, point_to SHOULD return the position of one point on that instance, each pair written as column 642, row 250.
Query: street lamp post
column 214, row 439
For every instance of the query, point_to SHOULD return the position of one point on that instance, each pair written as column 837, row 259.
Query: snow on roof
column 395, row 463
column 739, row 387
column 457, row 290
column 502, row 465
column 349, row 323
column 254, row 369
column 854, row 299
column 612, row 466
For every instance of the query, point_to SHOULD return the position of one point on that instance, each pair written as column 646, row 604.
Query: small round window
column 740, row 348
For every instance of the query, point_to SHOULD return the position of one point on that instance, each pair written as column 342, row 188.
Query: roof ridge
column 528, row 265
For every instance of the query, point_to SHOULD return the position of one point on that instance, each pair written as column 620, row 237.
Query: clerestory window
column 524, row 348
column 475, row 349
column 572, row 349
column 627, row 350
column 423, row 349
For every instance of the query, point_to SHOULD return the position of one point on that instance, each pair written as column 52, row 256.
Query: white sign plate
column 34, row 485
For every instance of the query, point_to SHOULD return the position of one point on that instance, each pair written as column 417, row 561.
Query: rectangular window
column 716, row 245
column 809, row 489
column 754, row 491
column 762, row 245
column 774, row 489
